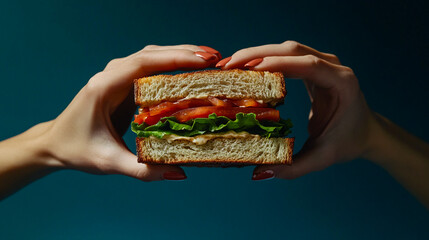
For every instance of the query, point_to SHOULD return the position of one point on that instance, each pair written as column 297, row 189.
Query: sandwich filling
column 203, row 139
column 212, row 117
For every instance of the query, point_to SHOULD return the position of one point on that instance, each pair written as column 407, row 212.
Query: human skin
column 341, row 125
column 87, row 135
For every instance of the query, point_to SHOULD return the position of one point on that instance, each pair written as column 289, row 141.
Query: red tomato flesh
column 229, row 112
column 249, row 103
column 187, row 109
column 175, row 106
column 150, row 120
column 220, row 102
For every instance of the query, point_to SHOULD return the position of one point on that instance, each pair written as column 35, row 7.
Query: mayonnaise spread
column 202, row 139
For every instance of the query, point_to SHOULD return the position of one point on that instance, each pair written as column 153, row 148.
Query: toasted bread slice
column 233, row 84
column 219, row 152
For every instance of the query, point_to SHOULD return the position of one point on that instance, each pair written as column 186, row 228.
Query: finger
column 194, row 48
column 288, row 48
column 306, row 161
column 119, row 61
column 114, row 63
column 211, row 50
column 127, row 164
column 151, row 62
column 313, row 69
column 190, row 47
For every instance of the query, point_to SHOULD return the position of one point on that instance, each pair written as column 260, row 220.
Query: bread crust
column 282, row 82
column 290, row 142
column 147, row 82
column 145, row 157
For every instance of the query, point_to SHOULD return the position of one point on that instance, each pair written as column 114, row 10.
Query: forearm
column 403, row 155
column 23, row 159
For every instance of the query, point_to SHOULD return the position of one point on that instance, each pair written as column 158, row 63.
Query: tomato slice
column 249, row 103
column 188, row 103
column 229, row 112
column 210, row 101
column 187, row 109
column 161, row 108
column 220, row 102
column 141, row 117
column 148, row 119
column 175, row 106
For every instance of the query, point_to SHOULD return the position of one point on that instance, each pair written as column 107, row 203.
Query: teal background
column 49, row 50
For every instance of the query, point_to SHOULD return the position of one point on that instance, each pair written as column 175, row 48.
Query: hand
column 339, row 120
column 87, row 135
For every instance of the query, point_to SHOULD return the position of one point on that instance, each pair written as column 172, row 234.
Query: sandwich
column 212, row 118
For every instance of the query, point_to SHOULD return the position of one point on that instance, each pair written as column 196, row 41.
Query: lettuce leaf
column 214, row 124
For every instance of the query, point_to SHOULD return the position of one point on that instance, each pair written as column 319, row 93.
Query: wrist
column 401, row 154
column 390, row 145
column 380, row 140
column 37, row 152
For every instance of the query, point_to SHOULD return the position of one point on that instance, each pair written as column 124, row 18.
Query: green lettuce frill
column 214, row 124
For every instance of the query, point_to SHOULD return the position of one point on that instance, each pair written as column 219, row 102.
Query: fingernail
column 206, row 56
column 211, row 50
column 174, row 176
column 223, row 62
column 265, row 175
column 253, row 63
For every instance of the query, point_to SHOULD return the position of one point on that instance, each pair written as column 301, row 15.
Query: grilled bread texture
column 233, row 84
column 224, row 152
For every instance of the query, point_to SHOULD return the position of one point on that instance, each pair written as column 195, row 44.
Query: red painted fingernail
column 253, row 63
column 206, row 56
column 223, row 62
column 174, row 176
column 265, row 175
column 211, row 50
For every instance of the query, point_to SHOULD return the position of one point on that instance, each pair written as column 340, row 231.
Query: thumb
column 127, row 164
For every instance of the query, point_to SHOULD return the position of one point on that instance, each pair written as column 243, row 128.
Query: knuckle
column 150, row 46
column 292, row 45
column 333, row 57
column 114, row 62
column 104, row 166
column 103, row 159
column 143, row 174
column 314, row 61
column 348, row 73
column 349, row 81
column 94, row 84
column 348, row 70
